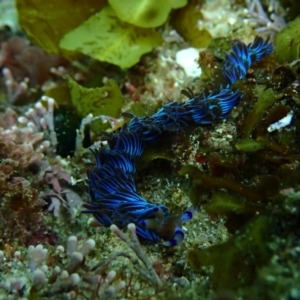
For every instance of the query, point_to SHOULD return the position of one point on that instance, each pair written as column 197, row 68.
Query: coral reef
column 167, row 144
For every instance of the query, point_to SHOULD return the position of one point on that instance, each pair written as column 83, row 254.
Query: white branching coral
column 15, row 89
column 29, row 141
column 41, row 119
column 266, row 24
column 146, row 270
column 36, row 256
column 55, row 273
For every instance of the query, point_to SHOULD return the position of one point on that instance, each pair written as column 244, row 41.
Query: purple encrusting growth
column 112, row 191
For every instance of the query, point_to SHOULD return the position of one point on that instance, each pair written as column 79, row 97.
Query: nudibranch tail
column 177, row 239
column 188, row 215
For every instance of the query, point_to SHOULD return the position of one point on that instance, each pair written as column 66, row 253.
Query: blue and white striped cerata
column 112, row 191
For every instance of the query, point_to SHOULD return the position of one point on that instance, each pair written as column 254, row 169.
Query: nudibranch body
column 112, row 190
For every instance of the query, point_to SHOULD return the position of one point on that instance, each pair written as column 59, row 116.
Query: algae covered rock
column 237, row 261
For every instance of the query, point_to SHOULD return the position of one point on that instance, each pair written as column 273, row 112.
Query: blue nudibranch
column 112, row 191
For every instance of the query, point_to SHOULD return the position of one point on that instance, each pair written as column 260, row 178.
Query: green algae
column 272, row 145
column 224, row 203
column 104, row 37
column 185, row 21
column 61, row 94
column 287, row 140
column 266, row 98
column 219, row 47
column 137, row 109
column 145, row 13
column 106, row 100
column 252, row 203
column 203, row 179
column 237, row 261
column 245, row 264
column 250, row 145
column 9, row 16
column 287, row 43
column 46, row 22
column 89, row 27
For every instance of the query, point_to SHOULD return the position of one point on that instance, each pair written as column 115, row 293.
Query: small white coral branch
column 269, row 25
column 14, row 89
column 107, row 289
column 36, row 256
column 135, row 245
